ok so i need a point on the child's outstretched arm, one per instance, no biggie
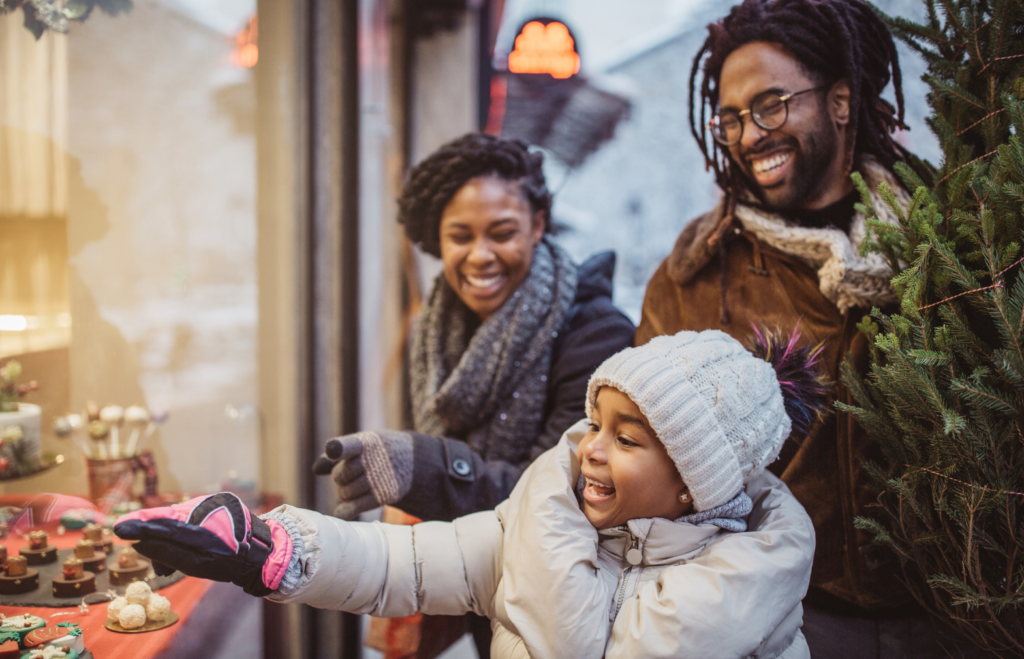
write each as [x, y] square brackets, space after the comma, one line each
[295, 555]
[554, 593]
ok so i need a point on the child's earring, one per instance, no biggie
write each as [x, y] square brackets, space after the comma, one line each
[684, 497]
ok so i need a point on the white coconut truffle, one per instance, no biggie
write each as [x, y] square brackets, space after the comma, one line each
[116, 606]
[157, 608]
[132, 616]
[138, 593]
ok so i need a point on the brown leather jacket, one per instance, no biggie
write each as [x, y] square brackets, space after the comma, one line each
[824, 469]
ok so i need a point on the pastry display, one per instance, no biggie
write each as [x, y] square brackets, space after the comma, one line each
[86, 552]
[39, 550]
[74, 580]
[20, 426]
[28, 637]
[51, 652]
[61, 635]
[139, 610]
[129, 568]
[132, 616]
[18, 578]
[157, 608]
[116, 604]
[107, 426]
[9, 648]
[100, 538]
[138, 593]
[20, 625]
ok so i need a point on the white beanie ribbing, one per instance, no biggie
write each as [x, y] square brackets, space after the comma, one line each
[717, 408]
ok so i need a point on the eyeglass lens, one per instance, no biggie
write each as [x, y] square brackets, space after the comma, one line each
[768, 111]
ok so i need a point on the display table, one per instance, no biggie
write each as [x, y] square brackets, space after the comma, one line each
[105, 644]
[101, 642]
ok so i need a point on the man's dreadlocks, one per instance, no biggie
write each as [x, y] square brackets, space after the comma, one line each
[833, 40]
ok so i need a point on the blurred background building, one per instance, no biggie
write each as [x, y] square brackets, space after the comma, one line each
[197, 209]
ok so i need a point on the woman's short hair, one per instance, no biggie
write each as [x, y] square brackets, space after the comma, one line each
[432, 183]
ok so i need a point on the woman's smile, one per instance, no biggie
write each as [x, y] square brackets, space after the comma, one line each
[483, 286]
[488, 233]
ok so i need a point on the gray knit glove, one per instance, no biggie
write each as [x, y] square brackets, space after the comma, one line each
[370, 468]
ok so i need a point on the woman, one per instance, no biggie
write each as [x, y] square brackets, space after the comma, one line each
[504, 347]
[502, 352]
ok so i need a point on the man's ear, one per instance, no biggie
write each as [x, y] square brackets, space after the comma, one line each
[839, 102]
[539, 224]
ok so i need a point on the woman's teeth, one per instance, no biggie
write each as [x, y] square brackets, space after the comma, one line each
[770, 164]
[482, 282]
[599, 489]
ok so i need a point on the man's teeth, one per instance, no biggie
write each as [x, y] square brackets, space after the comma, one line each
[769, 164]
[599, 488]
[482, 282]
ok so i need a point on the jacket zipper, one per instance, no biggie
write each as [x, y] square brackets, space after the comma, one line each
[624, 578]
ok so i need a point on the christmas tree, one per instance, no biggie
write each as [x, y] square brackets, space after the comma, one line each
[945, 395]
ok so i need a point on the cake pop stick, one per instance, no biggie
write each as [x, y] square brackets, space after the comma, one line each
[113, 416]
[137, 417]
[78, 426]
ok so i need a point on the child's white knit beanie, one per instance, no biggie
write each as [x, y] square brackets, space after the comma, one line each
[716, 407]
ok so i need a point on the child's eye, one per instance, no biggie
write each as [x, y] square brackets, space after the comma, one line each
[625, 442]
[594, 427]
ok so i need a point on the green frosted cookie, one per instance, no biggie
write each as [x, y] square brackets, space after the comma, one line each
[16, 625]
[49, 652]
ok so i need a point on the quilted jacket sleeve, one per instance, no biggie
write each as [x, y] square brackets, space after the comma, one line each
[739, 598]
[557, 600]
[439, 568]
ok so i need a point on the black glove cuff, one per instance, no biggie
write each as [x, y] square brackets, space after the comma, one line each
[256, 552]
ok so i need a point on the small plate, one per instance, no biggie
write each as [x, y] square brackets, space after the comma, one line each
[47, 461]
[150, 626]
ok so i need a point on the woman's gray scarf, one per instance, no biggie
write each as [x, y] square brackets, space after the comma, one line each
[489, 386]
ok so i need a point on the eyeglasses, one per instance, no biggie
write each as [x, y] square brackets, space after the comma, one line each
[768, 110]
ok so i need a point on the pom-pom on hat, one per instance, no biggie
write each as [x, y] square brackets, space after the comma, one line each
[717, 408]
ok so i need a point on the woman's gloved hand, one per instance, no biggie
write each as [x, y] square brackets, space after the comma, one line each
[212, 537]
[371, 469]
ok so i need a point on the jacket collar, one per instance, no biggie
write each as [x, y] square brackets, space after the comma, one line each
[701, 239]
[660, 541]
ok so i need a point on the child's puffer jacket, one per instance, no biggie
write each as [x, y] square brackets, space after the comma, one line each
[696, 592]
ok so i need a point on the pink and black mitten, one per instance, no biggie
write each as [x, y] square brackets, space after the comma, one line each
[212, 537]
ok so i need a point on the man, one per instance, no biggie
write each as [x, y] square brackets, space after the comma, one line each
[788, 107]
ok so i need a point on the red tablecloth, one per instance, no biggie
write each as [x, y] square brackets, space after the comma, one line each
[103, 643]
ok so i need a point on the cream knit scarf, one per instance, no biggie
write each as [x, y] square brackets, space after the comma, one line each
[844, 276]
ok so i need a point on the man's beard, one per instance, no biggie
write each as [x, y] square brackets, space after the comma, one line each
[810, 163]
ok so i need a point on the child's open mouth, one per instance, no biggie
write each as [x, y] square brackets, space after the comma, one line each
[596, 491]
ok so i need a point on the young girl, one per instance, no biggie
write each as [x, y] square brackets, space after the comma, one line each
[627, 539]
